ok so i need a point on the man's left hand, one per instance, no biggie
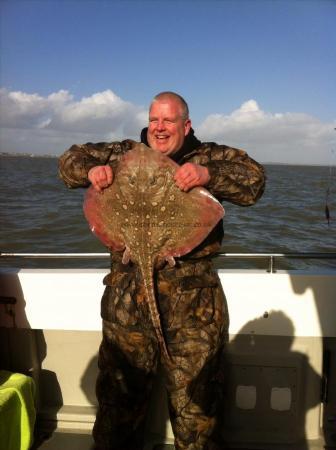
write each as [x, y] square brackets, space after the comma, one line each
[190, 175]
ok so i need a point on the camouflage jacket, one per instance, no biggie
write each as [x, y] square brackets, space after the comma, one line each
[234, 176]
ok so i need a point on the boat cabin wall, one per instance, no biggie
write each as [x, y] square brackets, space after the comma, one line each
[280, 356]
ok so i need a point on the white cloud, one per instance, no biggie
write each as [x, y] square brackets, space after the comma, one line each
[32, 123]
[103, 112]
[280, 137]
[36, 124]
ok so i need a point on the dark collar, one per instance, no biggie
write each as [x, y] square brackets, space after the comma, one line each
[190, 143]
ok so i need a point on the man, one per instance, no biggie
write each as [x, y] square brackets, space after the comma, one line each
[190, 299]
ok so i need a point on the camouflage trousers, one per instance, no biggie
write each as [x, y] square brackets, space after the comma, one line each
[194, 320]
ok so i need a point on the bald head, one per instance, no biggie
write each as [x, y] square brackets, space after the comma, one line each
[169, 95]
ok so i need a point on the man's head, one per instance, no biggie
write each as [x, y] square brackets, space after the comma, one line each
[169, 123]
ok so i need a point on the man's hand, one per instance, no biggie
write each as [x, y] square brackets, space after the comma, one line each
[190, 175]
[101, 177]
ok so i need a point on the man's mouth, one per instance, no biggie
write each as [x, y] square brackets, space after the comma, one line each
[161, 137]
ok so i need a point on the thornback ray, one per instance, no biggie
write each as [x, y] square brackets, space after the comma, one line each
[144, 214]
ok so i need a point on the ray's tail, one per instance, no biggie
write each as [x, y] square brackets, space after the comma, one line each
[147, 274]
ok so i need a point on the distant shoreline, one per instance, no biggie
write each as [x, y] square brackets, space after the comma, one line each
[29, 155]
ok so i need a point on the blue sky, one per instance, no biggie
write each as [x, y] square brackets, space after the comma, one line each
[257, 74]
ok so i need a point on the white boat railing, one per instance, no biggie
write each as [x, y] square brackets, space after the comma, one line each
[270, 257]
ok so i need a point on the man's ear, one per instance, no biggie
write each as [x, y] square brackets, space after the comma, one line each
[187, 126]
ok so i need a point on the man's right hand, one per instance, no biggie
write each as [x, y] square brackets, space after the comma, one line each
[100, 177]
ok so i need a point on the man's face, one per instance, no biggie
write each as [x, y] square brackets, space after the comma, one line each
[167, 129]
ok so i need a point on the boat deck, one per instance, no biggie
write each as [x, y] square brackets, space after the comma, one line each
[83, 441]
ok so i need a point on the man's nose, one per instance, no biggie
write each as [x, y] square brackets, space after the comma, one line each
[161, 125]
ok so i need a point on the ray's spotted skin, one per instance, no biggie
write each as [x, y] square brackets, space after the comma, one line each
[145, 214]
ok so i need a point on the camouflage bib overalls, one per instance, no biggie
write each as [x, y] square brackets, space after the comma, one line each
[192, 308]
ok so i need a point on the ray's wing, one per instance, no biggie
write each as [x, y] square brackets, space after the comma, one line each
[195, 215]
[103, 214]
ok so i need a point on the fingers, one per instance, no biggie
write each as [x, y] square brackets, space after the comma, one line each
[186, 177]
[101, 177]
[109, 174]
[190, 175]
